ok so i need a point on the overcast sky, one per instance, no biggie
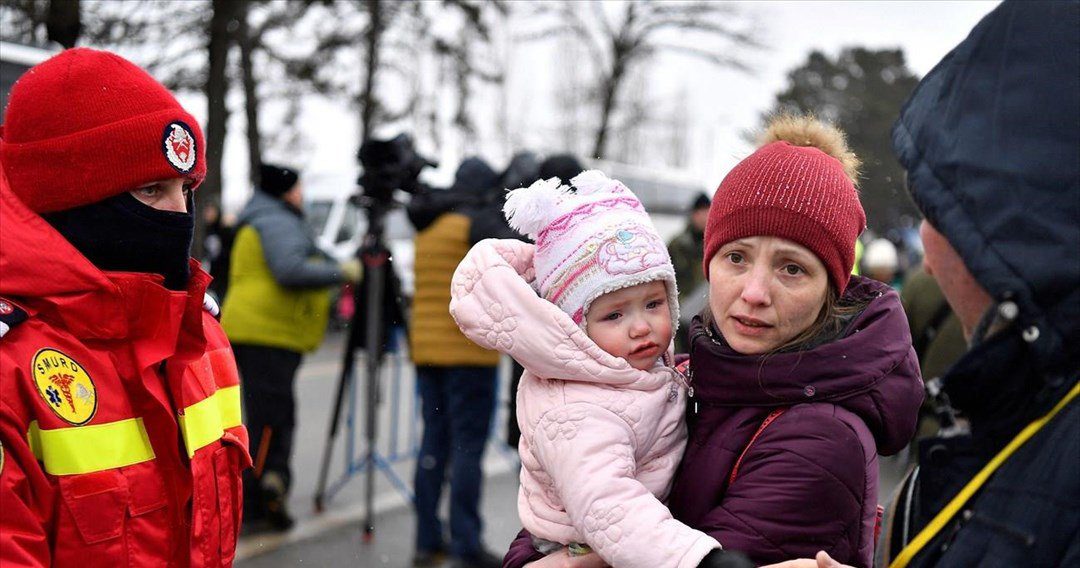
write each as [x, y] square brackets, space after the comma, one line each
[723, 104]
[926, 31]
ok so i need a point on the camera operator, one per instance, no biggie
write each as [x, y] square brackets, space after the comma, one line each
[456, 378]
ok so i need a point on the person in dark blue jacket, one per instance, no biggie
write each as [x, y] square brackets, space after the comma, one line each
[991, 143]
[990, 140]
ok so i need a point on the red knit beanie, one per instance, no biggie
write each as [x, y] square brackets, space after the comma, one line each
[86, 125]
[798, 186]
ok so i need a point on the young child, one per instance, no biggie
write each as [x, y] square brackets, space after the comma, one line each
[599, 406]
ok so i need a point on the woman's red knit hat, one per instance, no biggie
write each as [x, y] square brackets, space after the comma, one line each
[86, 125]
[798, 186]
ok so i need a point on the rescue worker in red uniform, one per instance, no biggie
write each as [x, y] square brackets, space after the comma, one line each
[119, 397]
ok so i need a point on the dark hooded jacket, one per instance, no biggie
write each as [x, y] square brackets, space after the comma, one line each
[991, 143]
[475, 185]
[808, 482]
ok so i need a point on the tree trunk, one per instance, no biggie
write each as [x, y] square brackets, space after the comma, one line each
[610, 90]
[217, 87]
[367, 95]
[63, 22]
[251, 96]
[622, 52]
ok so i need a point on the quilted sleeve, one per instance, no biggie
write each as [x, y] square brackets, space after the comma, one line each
[589, 453]
[483, 311]
[494, 304]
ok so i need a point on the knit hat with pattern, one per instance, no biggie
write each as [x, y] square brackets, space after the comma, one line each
[798, 186]
[591, 239]
[86, 125]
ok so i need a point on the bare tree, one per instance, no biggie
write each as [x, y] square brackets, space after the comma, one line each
[169, 40]
[623, 36]
[378, 12]
[246, 42]
[637, 114]
[465, 52]
[63, 22]
[353, 35]
[678, 132]
[572, 96]
[388, 40]
[223, 24]
[23, 21]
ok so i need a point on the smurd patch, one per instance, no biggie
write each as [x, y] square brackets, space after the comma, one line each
[65, 386]
[178, 144]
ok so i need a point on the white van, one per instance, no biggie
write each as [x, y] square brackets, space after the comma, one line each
[340, 225]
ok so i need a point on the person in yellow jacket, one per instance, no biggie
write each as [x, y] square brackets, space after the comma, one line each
[456, 378]
[276, 309]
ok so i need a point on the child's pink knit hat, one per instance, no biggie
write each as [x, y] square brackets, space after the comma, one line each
[589, 242]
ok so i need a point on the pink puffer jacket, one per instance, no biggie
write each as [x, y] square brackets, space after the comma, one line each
[600, 440]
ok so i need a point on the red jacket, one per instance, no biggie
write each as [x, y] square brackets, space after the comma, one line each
[119, 412]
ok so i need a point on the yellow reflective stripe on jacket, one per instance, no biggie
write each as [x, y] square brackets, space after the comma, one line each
[86, 449]
[945, 516]
[205, 421]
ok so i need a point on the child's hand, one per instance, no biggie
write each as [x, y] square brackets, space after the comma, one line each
[562, 559]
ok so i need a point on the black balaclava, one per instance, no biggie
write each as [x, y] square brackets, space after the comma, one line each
[124, 234]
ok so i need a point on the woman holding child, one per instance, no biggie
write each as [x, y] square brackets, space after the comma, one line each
[800, 375]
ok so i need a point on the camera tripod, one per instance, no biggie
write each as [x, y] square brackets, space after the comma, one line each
[370, 301]
[388, 165]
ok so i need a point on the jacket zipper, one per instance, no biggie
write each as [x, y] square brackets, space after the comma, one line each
[707, 332]
[690, 375]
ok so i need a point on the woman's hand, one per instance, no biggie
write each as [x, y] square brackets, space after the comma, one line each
[823, 560]
[562, 559]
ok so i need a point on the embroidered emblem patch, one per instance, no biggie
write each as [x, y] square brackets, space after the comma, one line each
[178, 143]
[65, 386]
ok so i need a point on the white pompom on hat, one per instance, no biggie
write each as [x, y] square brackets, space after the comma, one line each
[592, 238]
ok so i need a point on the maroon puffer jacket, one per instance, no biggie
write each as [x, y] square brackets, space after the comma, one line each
[809, 480]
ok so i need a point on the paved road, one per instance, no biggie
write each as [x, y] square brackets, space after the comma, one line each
[398, 435]
[334, 538]
[392, 544]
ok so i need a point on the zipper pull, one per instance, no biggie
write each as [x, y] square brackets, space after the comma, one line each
[690, 382]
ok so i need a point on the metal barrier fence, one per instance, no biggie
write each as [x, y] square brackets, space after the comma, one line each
[399, 419]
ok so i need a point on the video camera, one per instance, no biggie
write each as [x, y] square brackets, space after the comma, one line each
[389, 165]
